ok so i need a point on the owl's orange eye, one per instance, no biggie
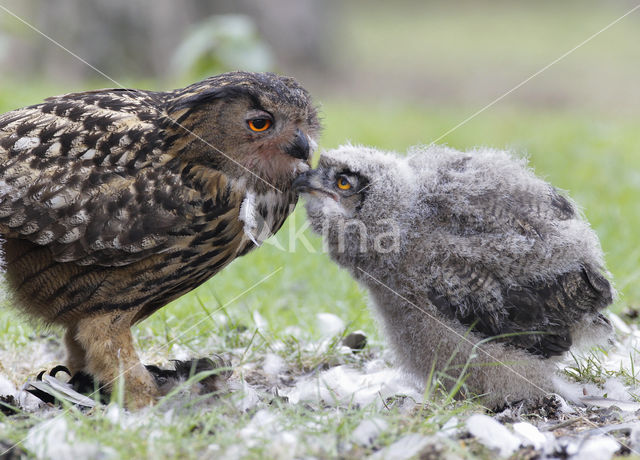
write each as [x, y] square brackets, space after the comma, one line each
[259, 124]
[343, 183]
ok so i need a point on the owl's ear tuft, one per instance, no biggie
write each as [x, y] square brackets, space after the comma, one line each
[197, 101]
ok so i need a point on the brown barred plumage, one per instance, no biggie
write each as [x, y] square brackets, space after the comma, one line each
[115, 202]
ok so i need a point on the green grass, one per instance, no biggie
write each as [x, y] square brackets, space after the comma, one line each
[288, 282]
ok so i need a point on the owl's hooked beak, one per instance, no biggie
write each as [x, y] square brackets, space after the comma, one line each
[300, 147]
[311, 182]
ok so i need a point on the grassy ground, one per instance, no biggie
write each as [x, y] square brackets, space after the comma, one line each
[265, 305]
[267, 302]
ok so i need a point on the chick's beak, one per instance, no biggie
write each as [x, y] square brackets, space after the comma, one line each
[304, 182]
[300, 147]
[311, 182]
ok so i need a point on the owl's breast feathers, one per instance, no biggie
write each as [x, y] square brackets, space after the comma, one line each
[95, 178]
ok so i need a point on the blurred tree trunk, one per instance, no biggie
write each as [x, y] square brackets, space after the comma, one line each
[136, 38]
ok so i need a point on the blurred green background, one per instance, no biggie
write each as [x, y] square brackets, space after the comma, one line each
[390, 74]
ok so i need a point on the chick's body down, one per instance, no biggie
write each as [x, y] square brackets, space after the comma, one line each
[488, 266]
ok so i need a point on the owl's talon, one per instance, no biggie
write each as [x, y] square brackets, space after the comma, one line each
[60, 368]
[52, 390]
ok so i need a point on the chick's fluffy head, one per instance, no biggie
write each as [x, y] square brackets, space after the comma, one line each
[347, 202]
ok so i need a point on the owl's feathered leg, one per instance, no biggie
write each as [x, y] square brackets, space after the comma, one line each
[76, 355]
[110, 353]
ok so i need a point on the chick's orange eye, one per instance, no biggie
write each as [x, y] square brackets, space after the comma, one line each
[259, 124]
[343, 183]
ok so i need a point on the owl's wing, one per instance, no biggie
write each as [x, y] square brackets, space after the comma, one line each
[554, 307]
[81, 174]
[537, 317]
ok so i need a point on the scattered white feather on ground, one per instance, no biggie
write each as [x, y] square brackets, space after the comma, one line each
[180, 352]
[368, 431]
[53, 439]
[598, 401]
[259, 428]
[265, 430]
[619, 324]
[597, 448]
[493, 434]
[17, 363]
[531, 436]
[7, 388]
[345, 385]
[246, 397]
[259, 320]
[329, 325]
[450, 429]
[51, 385]
[273, 365]
[624, 354]
[406, 447]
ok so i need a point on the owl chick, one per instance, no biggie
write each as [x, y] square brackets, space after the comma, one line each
[115, 202]
[477, 269]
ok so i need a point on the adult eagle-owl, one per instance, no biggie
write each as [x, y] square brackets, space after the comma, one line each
[115, 202]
